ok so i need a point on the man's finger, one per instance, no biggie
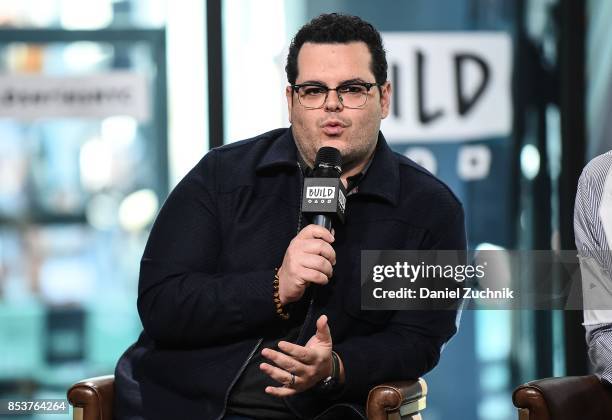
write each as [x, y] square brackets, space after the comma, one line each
[318, 263]
[284, 362]
[279, 375]
[300, 353]
[280, 391]
[316, 231]
[318, 247]
[313, 276]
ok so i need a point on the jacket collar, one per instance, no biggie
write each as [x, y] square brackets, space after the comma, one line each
[381, 179]
[281, 153]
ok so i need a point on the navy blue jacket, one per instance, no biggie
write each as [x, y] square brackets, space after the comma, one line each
[205, 290]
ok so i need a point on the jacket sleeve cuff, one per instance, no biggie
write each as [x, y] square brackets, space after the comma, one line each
[254, 301]
[356, 365]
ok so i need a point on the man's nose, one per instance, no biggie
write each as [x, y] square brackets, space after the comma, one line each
[333, 102]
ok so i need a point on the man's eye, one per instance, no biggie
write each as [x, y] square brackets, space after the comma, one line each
[313, 91]
[354, 89]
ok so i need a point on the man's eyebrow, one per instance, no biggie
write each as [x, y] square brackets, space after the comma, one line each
[349, 81]
[312, 82]
[344, 82]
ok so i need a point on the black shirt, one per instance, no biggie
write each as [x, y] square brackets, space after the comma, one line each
[248, 397]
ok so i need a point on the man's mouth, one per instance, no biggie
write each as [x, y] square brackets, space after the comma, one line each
[333, 128]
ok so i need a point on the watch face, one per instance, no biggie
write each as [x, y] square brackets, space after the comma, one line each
[329, 384]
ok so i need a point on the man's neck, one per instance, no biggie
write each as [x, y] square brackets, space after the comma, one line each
[347, 170]
[361, 167]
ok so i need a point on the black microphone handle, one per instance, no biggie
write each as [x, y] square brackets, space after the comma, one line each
[323, 220]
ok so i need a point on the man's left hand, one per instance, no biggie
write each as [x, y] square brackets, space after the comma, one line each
[300, 367]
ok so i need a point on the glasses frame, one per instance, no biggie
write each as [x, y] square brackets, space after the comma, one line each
[366, 85]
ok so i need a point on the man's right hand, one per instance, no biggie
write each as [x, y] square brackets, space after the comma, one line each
[309, 259]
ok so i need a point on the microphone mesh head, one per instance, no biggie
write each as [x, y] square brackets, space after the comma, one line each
[330, 156]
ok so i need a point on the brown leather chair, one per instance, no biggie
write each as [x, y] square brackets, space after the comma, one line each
[92, 399]
[565, 398]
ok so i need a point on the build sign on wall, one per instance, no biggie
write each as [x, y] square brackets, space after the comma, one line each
[449, 86]
[451, 112]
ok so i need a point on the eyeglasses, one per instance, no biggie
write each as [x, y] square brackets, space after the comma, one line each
[351, 95]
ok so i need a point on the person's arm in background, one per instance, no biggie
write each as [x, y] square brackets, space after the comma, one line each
[599, 340]
[594, 254]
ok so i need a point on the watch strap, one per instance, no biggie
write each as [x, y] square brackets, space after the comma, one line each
[332, 382]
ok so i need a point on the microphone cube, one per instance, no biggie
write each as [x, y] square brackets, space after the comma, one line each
[324, 196]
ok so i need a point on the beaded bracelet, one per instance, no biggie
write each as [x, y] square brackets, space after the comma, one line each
[277, 303]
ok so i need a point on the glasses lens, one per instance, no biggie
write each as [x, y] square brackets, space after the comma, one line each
[312, 96]
[353, 96]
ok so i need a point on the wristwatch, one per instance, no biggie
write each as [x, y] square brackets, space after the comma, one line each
[332, 382]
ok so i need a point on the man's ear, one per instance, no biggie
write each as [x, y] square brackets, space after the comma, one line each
[289, 95]
[385, 99]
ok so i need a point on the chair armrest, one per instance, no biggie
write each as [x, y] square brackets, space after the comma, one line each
[565, 398]
[398, 399]
[93, 398]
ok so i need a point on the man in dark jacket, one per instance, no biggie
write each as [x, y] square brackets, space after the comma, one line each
[248, 310]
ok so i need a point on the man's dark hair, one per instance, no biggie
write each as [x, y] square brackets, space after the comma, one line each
[336, 28]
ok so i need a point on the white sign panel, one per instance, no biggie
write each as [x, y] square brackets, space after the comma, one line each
[30, 97]
[320, 192]
[448, 86]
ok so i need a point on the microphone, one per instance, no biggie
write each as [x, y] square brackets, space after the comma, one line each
[324, 196]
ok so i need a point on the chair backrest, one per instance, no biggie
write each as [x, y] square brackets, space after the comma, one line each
[565, 398]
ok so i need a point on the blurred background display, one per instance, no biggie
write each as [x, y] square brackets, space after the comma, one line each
[83, 171]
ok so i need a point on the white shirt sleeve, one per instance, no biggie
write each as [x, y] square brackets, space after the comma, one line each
[593, 232]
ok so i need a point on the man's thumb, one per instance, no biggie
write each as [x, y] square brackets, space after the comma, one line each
[323, 332]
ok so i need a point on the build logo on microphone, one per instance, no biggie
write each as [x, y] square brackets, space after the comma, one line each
[324, 196]
[320, 193]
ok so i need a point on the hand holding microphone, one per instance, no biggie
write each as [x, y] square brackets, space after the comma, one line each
[310, 257]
